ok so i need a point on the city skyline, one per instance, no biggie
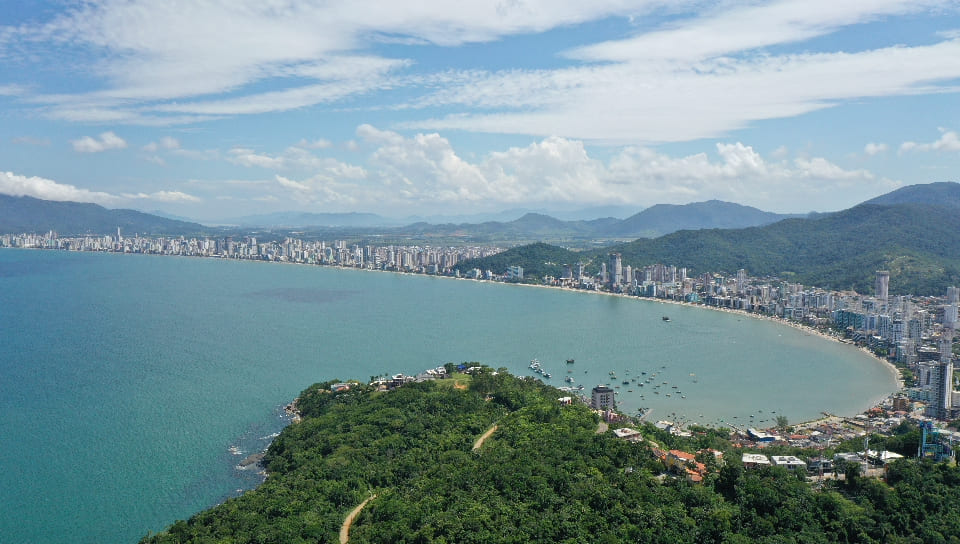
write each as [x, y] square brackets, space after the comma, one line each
[210, 111]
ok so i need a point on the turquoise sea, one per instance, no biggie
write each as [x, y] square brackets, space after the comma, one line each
[129, 383]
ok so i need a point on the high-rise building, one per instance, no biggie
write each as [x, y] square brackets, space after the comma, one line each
[616, 270]
[602, 398]
[882, 286]
[953, 295]
[942, 405]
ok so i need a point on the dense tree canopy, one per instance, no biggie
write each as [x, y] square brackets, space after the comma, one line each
[545, 475]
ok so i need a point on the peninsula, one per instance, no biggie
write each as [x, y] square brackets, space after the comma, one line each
[546, 475]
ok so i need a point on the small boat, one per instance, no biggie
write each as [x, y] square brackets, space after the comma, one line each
[569, 379]
[570, 361]
[626, 382]
[547, 375]
[665, 318]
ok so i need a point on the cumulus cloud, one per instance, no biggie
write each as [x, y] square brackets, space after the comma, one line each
[106, 141]
[875, 148]
[166, 142]
[47, 189]
[426, 171]
[948, 141]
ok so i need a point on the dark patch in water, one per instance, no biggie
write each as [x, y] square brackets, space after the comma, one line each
[306, 295]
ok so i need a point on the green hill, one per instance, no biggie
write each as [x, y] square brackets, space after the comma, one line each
[28, 214]
[545, 475]
[666, 218]
[917, 243]
[538, 260]
[944, 193]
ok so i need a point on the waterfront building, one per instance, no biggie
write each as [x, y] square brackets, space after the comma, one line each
[602, 398]
[616, 269]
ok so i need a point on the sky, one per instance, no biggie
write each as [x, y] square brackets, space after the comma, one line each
[219, 109]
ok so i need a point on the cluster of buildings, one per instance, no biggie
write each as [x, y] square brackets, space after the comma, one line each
[915, 332]
[398, 258]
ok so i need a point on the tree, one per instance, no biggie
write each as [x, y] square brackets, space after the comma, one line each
[782, 424]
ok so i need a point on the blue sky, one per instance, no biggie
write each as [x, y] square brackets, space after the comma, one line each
[213, 110]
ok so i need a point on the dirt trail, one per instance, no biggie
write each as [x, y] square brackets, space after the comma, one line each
[345, 528]
[483, 437]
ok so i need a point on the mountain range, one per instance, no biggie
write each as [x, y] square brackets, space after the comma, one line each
[913, 232]
[28, 214]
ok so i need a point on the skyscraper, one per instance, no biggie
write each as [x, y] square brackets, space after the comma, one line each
[882, 286]
[616, 270]
[942, 407]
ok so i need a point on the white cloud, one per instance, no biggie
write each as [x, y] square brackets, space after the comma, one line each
[668, 102]
[12, 90]
[106, 141]
[47, 189]
[875, 148]
[294, 158]
[703, 73]
[162, 196]
[425, 168]
[744, 28]
[166, 142]
[319, 143]
[948, 141]
[425, 173]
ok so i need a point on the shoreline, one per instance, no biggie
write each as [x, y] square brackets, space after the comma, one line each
[890, 367]
[894, 371]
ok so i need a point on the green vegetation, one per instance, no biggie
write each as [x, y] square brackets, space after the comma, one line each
[538, 260]
[544, 476]
[917, 243]
[27, 214]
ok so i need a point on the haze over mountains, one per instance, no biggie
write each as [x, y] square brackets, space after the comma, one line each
[26, 214]
[913, 232]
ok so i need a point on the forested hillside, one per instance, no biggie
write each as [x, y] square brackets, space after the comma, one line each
[545, 475]
[27, 214]
[918, 243]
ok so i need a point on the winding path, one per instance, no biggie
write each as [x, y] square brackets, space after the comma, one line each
[484, 436]
[345, 528]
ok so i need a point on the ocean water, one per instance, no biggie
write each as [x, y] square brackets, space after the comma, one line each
[131, 386]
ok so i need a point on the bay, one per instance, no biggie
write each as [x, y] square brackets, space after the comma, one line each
[125, 380]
